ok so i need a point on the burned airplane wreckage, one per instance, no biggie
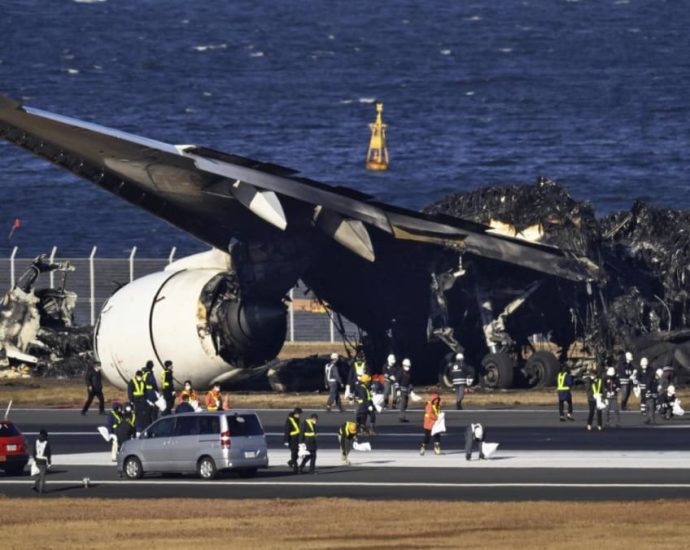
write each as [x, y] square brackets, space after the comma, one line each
[419, 284]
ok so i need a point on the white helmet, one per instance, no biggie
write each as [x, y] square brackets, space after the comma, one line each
[406, 363]
[671, 389]
[628, 357]
[478, 431]
[459, 356]
[659, 373]
[334, 356]
[391, 359]
[610, 371]
[644, 362]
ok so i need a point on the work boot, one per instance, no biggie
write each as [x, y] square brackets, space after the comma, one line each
[458, 405]
[482, 457]
[589, 427]
[403, 419]
[437, 448]
[571, 417]
[328, 408]
[562, 418]
[468, 457]
[600, 428]
[422, 450]
[344, 461]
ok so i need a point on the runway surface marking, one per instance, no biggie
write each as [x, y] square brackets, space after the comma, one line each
[424, 485]
[677, 460]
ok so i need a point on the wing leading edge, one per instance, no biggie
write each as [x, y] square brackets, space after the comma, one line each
[189, 186]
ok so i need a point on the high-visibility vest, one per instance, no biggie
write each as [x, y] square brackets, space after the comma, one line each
[360, 367]
[435, 408]
[118, 419]
[561, 382]
[349, 429]
[132, 420]
[139, 387]
[213, 400]
[295, 426]
[359, 399]
[167, 379]
[145, 378]
[596, 386]
[310, 431]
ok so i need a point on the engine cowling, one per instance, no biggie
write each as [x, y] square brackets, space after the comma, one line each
[196, 318]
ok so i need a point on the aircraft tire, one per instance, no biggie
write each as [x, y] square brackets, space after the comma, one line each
[499, 369]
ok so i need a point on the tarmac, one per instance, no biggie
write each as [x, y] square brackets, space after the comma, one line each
[539, 458]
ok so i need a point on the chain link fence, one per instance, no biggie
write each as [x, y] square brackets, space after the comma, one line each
[95, 279]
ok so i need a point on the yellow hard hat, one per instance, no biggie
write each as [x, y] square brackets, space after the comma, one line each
[365, 378]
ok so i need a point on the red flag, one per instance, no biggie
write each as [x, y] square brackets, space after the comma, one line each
[16, 225]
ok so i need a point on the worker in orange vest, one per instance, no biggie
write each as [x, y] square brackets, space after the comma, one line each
[214, 399]
[431, 413]
[192, 396]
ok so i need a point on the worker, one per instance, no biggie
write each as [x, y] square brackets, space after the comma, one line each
[214, 398]
[358, 368]
[151, 388]
[94, 386]
[291, 436]
[346, 434]
[42, 458]
[667, 402]
[391, 372]
[594, 386]
[136, 390]
[185, 406]
[405, 388]
[307, 437]
[333, 382]
[126, 429]
[114, 419]
[461, 376]
[365, 405]
[474, 433]
[432, 410]
[612, 387]
[564, 384]
[167, 385]
[626, 368]
[192, 396]
[651, 395]
[643, 375]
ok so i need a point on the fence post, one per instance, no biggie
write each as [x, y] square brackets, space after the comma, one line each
[14, 253]
[52, 273]
[171, 258]
[331, 328]
[291, 313]
[131, 263]
[92, 285]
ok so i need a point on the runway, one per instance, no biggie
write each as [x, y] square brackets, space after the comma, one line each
[538, 458]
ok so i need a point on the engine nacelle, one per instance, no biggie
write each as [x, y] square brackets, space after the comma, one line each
[197, 318]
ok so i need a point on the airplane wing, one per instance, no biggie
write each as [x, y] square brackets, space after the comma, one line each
[220, 197]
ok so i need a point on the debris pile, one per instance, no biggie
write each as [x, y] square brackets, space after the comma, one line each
[644, 255]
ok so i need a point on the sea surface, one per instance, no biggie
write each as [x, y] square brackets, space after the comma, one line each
[593, 93]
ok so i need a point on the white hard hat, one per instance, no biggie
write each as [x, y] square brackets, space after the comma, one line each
[459, 356]
[659, 372]
[407, 362]
[671, 389]
[334, 356]
[644, 362]
[628, 356]
[391, 359]
[610, 371]
[478, 431]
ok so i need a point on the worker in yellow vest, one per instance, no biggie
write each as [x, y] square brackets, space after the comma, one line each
[308, 439]
[291, 436]
[564, 384]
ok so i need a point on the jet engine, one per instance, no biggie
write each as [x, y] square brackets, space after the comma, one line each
[197, 318]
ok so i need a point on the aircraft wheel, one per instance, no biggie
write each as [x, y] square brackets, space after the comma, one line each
[498, 371]
[541, 369]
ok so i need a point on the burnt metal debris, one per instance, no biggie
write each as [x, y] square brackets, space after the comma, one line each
[641, 300]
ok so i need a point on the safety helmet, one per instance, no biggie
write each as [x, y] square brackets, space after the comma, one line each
[644, 362]
[459, 356]
[478, 431]
[406, 362]
[365, 379]
[610, 371]
[334, 356]
[628, 356]
[659, 373]
[671, 389]
[391, 359]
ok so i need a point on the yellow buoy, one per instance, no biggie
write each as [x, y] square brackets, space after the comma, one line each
[377, 156]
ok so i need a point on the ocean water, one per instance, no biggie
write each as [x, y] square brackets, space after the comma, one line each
[592, 93]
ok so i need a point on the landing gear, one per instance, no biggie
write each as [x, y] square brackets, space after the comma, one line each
[498, 371]
[541, 369]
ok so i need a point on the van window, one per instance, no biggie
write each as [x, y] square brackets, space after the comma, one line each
[162, 428]
[186, 425]
[209, 425]
[244, 424]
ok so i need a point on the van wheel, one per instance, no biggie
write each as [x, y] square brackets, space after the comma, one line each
[133, 468]
[498, 371]
[247, 472]
[206, 468]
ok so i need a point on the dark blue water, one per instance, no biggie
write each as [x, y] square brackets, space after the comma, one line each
[591, 93]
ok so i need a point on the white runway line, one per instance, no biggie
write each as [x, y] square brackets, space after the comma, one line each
[677, 460]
